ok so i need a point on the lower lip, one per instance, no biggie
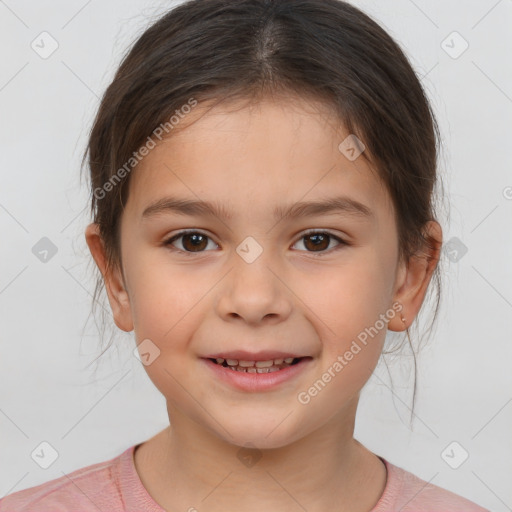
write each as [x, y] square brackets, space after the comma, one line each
[254, 382]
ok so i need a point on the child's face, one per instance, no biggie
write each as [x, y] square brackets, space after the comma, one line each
[304, 297]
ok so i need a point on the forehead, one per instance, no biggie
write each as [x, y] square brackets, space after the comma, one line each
[258, 154]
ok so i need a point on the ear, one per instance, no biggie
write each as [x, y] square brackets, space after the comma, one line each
[413, 278]
[114, 282]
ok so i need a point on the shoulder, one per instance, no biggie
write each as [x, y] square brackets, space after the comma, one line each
[406, 492]
[95, 487]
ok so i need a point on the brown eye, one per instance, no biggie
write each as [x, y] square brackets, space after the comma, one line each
[320, 241]
[194, 242]
[191, 241]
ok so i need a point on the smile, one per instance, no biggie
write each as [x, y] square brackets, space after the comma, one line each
[269, 366]
[251, 375]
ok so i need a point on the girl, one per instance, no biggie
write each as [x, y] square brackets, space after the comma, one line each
[263, 179]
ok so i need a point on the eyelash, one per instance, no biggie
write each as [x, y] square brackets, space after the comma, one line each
[168, 242]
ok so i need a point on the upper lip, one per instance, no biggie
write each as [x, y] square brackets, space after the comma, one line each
[242, 355]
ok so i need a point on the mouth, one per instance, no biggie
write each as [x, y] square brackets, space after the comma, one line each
[255, 372]
[248, 366]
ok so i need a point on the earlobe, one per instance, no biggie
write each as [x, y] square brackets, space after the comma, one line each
[114, 284]
[413, 279]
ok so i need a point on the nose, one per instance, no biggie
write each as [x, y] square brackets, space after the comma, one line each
[254, 293]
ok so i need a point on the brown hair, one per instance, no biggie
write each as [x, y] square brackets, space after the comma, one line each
[220, 50]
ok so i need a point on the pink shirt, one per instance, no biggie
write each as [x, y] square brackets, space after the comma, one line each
[115, 486]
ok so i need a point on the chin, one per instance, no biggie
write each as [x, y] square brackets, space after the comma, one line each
[261, 431]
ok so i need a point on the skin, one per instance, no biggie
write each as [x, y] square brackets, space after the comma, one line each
[252, 158]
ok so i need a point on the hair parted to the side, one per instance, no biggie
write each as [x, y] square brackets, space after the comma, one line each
[221, 50]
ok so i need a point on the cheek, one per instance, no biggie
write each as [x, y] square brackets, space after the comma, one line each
[163, 296]
[349, 307]
[349, 297]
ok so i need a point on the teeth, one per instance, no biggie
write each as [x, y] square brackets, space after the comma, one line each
[272, 365]
[264, 364]
[258, 364]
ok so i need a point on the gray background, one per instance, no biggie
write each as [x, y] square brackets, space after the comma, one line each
[47, 392]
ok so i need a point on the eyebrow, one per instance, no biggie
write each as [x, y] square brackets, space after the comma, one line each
[335, 205]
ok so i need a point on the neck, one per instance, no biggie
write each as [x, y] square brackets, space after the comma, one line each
[187, 467]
